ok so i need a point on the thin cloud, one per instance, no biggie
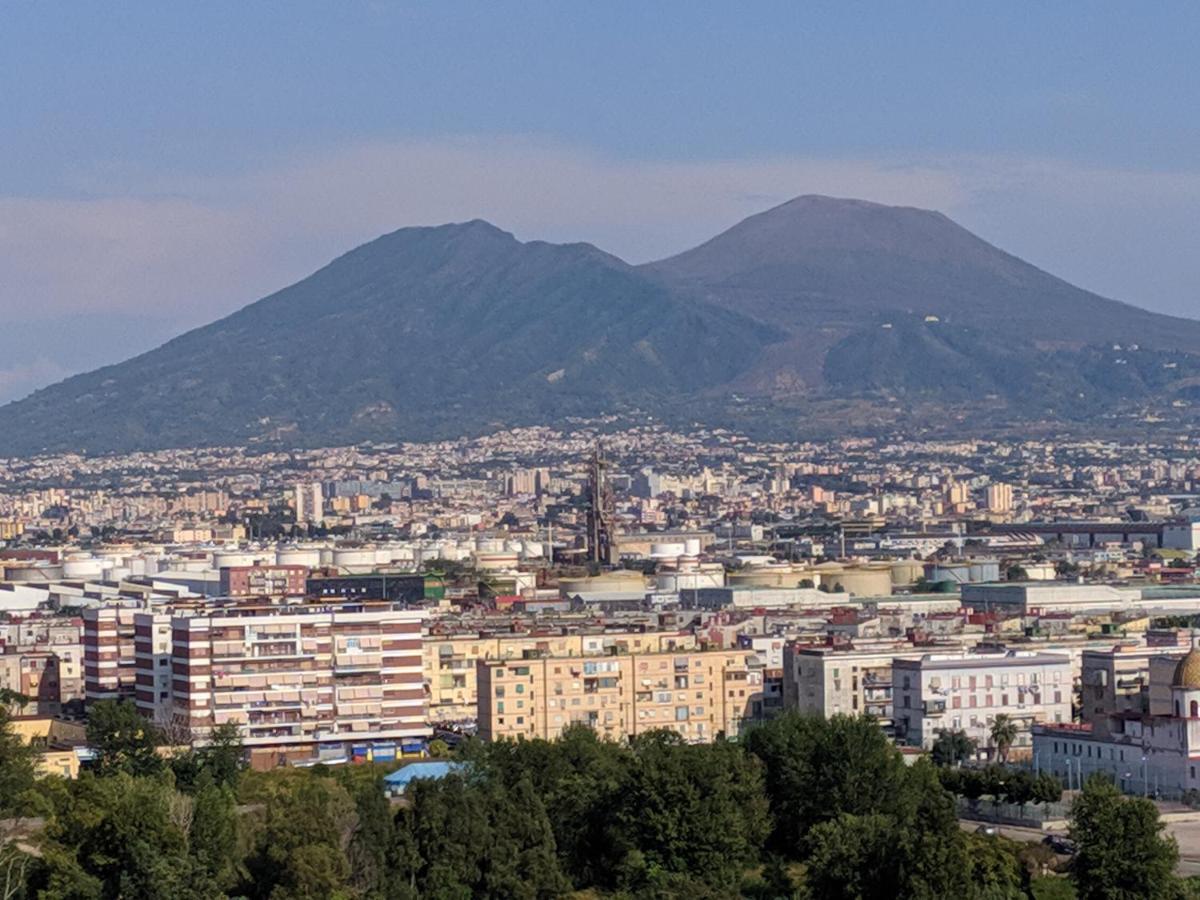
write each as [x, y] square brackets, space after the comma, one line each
[194, 248]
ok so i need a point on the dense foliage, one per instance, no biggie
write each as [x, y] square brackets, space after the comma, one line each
[802, 807]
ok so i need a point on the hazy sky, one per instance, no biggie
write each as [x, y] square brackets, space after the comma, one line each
[164, 163]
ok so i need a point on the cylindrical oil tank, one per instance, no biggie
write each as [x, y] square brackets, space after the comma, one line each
[358, 559]
[225, 559]
[984, 570]
[764, 576]
[298, 556]
[617, 580]
[666, 550]
[493, 561]
[84, 567]
[907, 571]
[864, 581]
[35, 572]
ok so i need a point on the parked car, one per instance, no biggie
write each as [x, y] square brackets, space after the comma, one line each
[989, 830]
[1059, 844]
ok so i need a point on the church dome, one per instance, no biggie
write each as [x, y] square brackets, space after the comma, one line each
[1187, 673]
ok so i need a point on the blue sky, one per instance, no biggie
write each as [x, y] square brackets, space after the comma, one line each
[165, 163]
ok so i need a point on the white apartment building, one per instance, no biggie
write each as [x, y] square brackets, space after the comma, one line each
[967, 691]
[309, 502]
[828, 681]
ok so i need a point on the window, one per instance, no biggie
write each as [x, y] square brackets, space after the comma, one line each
[681, 714]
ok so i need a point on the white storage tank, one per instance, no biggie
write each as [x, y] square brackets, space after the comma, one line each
[225, 559]
[358, 560]
[84, 567]
[665, 550]
[691, 547]
[298, 556]
[493, 561]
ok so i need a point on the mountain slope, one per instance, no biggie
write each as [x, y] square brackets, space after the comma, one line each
[822, 268]
[817, 307]
[422, 332]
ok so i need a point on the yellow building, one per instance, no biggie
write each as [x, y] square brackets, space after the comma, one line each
[449, 661]
[698, 694]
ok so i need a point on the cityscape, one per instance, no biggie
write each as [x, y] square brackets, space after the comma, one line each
[795, 495]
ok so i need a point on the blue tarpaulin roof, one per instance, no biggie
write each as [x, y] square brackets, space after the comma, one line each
[436, 769]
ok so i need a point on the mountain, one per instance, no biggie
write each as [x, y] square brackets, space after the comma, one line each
[833, 274]
[423, 332]
[435, 332]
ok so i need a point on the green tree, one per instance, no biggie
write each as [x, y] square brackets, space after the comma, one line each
[996, 872]
[1020, 787]
[695, 810]
[127, 836]
[213, 834]
[854, 858]
[1047, 788]
[1122, 852]
[1003, 734]
[581, 780]
[373, 844]
[123, 739]
[300, 851]
[817, 769]
[952, 748]
[18, 767]
[218, 762]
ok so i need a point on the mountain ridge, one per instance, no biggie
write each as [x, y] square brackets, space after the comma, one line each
[431, 331]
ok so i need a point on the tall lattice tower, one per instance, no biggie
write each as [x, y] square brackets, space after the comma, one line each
[600, 512]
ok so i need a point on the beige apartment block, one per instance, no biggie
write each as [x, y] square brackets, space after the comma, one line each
[449, 661]
[698, 694]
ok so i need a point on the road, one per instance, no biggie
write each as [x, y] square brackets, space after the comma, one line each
[1187, 834]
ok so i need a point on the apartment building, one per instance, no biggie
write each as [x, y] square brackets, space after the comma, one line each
[450, 671]
[967, 691]
[1117, 680]
[828, 681]
[302, 683]
[152, 647]
[263, 581]
[109, 663]
[698, 694]
[41, 658]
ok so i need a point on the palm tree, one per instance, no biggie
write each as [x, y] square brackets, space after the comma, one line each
[952, 748]
[1004, 732]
